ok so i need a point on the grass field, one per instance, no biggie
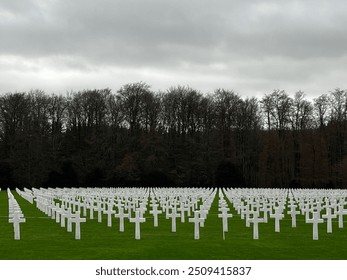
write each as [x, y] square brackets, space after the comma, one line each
[43, 238]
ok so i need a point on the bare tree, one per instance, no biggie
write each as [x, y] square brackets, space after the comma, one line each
[131, 97]
[227, 104]
[338, 105]
[282, 107]
[150, 111]
[321, 109]
[114, 111]
[302, 112]
[267, 106]
[14, 115]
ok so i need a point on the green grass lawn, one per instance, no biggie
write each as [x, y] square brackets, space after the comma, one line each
[43, 238]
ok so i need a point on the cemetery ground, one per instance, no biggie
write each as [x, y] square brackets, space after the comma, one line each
[43, 238]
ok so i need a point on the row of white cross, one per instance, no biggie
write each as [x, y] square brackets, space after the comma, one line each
[273, 202]
[176, 206]
[64, 216]
[255, 206]
[26, 194]
[15, 214]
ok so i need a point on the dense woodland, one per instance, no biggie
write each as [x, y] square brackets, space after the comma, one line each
[180, 137]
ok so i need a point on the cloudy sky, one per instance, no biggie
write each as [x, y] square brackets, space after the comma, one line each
[251, 47]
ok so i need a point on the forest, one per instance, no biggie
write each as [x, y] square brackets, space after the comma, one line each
[177, 137]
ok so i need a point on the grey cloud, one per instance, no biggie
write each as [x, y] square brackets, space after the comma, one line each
[244, 36]
[110, 31]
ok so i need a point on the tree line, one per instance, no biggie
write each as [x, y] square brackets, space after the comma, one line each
[177, 137]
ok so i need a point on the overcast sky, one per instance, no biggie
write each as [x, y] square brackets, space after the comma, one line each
[251, 47]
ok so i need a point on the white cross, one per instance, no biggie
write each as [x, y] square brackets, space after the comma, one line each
[53, 209]
[241, 210]
[224, 215]
[77, 220]
[189, 206]
[57, 213]
[334, 205]
[315, 221]
[99, 209]
[164, 205]
[77, 206]
[277, 216]
[62, 216]
[173, 215]
[265, 209]
[130, 207]
[69, 215]
[152, 202]
[109, 213]
[84, 205]
[203, 212]
[306, 210]
[329, 216]
[196, 220]
[256, 220]
[16, 219]
[137, 220]
[246, 212]
[155, 213]
[327, 203]
[143, 207]
[141, 211]
[121, 215]
[119, 204]
[341, 212]
[91, 210]
[182, 209]
[293, 214]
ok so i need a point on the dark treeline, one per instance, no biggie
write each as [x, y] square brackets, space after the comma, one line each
[180, 137]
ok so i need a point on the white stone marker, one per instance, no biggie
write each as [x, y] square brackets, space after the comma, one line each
[69, 216]
[277, 216]
[341, 212]
[109, 213]
[242, 210]
[329, 216]
[224, 215]
[306, 210]
[315, 221]
[16, 219]
[247, 212]
[203, 212]
[137, 220]
[334, 205]
[256, 220]
[62, 217]
[189, 208]
[141, 211]
[77, 220]
[119, 204]
[121, 215]
[265, 209]
[84, 207]
[182, 209]
[91, 210]
[53, 209]
[293, 214]
[130, 207]
[57, 213]
[173, 215]
[196, 220]
[143, 208]
[99, 209]
[155, 213]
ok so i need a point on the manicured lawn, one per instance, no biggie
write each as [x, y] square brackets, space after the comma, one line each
[43, 238]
